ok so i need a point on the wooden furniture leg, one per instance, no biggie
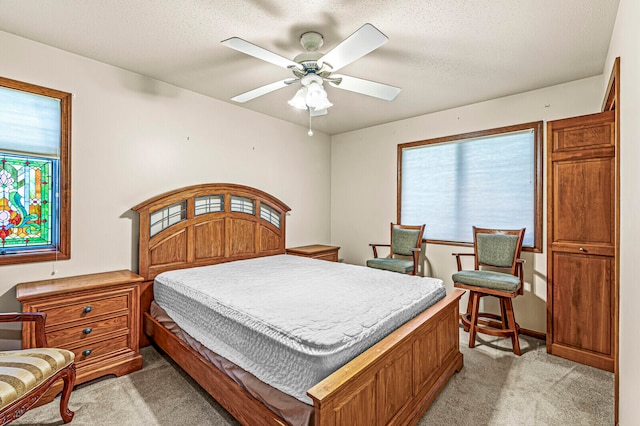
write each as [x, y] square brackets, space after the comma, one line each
[503, 314]
[475, 300]
[465, 326]
[513, 326]
[68, 379]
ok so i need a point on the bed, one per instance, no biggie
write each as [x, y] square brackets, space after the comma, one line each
[392, 382]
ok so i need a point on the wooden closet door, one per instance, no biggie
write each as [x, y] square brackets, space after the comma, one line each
[581, 239]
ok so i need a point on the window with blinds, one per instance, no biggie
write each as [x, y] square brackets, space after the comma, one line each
[209, 204]
[488, 179]
[270, 214]
[34, 173]
[242, 204]
[166, 217]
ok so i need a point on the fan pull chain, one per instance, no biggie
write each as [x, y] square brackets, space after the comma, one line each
[310, 132]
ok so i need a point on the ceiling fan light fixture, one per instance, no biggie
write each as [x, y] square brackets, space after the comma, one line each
[322, 105]
[317, 97]
[314, 112]
[299, 99]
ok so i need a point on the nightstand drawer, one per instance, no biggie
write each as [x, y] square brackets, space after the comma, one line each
[331, 257]
[91, 330]
[88, 352]
[90, 308]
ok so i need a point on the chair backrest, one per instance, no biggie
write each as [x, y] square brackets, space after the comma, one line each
[405, 237]
[499, 248]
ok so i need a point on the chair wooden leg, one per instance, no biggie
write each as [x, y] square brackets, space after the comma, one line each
[511, 321]
[503, 314]
[465, 327]
[475, 301]
[69, 380]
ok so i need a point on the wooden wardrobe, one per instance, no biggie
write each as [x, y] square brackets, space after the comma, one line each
[582, 198]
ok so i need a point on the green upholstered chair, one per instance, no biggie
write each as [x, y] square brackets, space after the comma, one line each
[498, 272]
[25, 375]
[404, 250]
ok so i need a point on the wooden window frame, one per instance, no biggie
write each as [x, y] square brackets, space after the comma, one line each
[537, 126]
[62, 250]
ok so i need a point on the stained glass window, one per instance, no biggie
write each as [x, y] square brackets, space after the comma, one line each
[35, 173]
[26, 201]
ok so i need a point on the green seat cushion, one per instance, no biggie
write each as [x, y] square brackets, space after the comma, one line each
[487, 279]
[395, 265]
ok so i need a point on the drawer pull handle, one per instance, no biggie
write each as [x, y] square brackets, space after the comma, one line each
[582, 249]
[87, 330]
[87, 309]
[87, 352]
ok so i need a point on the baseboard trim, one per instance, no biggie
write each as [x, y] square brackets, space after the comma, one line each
[533, 333]
[524, 331]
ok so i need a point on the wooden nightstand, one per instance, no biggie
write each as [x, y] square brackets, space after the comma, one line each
[316, 251]
[95, 316]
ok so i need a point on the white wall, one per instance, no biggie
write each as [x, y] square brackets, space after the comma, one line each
[625, 43]
[364, 170]
[134, 138]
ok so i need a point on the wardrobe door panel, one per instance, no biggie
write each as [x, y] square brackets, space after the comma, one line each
[583, 199]
[582, 308]
[581, 239]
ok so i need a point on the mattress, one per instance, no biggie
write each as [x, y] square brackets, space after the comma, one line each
[291, 321]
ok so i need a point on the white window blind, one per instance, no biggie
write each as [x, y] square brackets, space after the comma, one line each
[488, 182]
[270, 214]
[29, 123]
[209, 204]
[166, 217]
[242, 204]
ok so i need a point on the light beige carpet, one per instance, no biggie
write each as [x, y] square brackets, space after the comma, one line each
[494, 388]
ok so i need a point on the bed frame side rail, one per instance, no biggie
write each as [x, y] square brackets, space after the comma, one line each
[237, 401]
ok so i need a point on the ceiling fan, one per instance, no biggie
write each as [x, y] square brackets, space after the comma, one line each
[312, 68]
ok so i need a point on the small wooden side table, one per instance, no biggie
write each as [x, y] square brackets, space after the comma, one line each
[95, 316]
[316, 251]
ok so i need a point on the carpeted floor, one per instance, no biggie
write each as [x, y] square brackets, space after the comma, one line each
[494, 388]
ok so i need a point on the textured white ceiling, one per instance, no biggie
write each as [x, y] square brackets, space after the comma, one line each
[442, 53]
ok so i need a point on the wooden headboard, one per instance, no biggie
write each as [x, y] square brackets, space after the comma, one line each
[206, 224]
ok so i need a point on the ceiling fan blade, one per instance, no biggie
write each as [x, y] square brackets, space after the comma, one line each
[252, 94]
[366, 39]
[366, 87]
[258, 52]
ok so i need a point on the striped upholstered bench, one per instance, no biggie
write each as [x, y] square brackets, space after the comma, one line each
[25, 375]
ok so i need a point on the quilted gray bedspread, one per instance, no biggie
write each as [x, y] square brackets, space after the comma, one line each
[291, 321]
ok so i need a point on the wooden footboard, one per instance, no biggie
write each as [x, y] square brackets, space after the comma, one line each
[392, 383]
[396, 380]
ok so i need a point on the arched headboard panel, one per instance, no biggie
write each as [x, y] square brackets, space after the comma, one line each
[206, 224]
